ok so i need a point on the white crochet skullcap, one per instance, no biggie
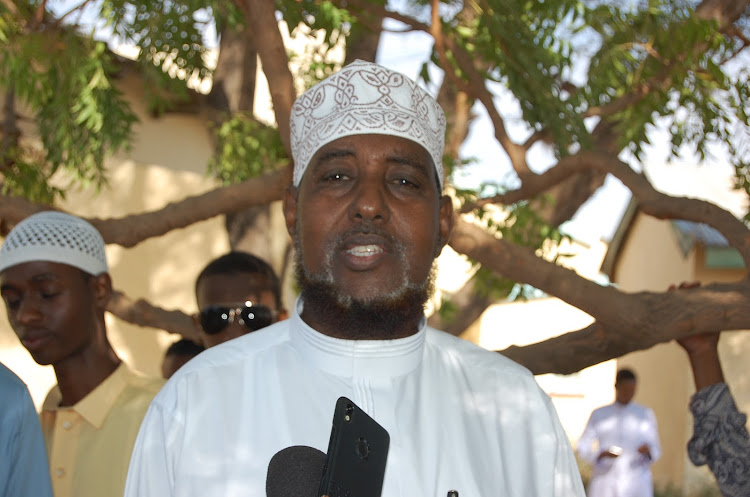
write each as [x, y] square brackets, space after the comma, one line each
[365, 98]
[55, 237]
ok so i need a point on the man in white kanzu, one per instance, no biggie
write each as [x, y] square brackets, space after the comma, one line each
[368, 218]
[621, 440]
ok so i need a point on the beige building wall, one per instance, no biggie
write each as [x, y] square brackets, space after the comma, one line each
[650, 260]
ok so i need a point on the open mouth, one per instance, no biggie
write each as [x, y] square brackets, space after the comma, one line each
[365, 250]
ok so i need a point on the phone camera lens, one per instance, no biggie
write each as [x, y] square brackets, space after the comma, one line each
[362, 446]
[348, 413]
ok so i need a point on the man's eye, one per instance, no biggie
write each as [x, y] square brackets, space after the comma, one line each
[335, 177]
[49, 293]
[406, 182]
[12, 303]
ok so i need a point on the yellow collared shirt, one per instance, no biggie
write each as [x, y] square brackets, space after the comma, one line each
[89, 444]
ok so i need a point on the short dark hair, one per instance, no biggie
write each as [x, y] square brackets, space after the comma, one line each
[184, 347]
[242, 262]
[624, 374]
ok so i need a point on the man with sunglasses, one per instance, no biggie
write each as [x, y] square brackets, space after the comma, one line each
[368, 219]
[237, 293]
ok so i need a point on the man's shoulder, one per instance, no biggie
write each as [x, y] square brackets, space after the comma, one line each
[133, 393]
[641, 409]
[14, 394]
[10, 384]
[457, 349]
[602, 410]
[147, 384]
[236, 352]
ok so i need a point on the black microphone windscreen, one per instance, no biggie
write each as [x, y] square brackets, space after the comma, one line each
[295, 472]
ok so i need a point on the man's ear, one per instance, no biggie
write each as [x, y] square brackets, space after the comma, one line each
[101, 287]
[282, 315]
[290, 208]
[447, 220]
[199, 333]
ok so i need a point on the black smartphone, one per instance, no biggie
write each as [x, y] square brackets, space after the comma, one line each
[357, 453]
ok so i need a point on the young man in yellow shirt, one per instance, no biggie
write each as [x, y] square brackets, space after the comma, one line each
[55, 284]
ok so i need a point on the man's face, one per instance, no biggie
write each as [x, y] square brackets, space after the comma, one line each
[232, 290]
[368, 217]
[624, 391]
[53, 309]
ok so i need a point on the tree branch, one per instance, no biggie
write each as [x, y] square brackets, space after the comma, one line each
[142, 313]
[130, 230]
[262, 22]
[70, 12]
[625, 322]
[724, 12]
[10, 130]
[652, 202]
[652, 318]
[11, 6]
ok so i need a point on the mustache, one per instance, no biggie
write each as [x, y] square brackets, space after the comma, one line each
[366, 229]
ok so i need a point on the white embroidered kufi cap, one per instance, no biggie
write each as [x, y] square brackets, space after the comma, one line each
[55, 237]
[365, 98]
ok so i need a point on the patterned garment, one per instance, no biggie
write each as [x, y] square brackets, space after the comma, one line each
[720, 439]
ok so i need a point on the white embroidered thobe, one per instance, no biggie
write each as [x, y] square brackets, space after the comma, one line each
[459, 417]
[627, 427]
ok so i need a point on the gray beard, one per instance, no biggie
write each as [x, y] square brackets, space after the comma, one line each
[380, 317]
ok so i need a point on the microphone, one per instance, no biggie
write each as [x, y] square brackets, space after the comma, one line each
[295, 472]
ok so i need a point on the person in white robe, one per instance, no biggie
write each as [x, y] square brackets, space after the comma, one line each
[368, 218]
[621, 441]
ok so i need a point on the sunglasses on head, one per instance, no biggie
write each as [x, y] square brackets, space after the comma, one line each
[215, 318]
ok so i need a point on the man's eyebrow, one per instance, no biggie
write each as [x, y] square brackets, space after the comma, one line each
[36, 279]
[335, 153]
[412, 161]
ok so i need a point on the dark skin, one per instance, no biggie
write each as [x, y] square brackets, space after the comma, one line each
[370, 220]
[702, 351]
[231, 290]
[57, 311]
[172, 363]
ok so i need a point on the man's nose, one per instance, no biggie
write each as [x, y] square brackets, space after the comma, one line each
[370, 202]
[28, 311]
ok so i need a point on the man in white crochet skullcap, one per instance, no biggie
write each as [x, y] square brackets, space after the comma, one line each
[368, 219]
[55, 285]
